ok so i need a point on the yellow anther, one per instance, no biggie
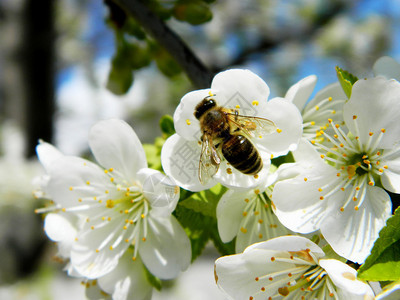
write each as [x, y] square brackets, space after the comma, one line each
[242, 229]
[112, 179]
[322, 156]
[143, 239]
[383, 130]
[134, 258]
[305, 179]
[111, 169]
[255, 103]
[260, 221]
[142, 216]
[330, 120]
[278, 130]
[385, 166]
[330, 99]
[110, 203]
[63, 209]
[342, 209]
[354, 198]
[321, 198]
[111, 248]
[188, 122]
[244, 213]
[354, 117]
[126, 211]
[319, 190]
[246, 200]
[237, 106]
[256, 191]
[370, 183]
[71, 188]
[313, 142]
[97, 250]
[316, 107]
[229, 170]
[312, 123]
[333, 112]
[371, 134]
[125, 227]
[92, 227]
[106, 191]
[356, 208]
[106, 171]
[337, 125]
[88, 182]
[255, 176]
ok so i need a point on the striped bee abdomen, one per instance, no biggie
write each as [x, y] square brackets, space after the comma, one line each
[242, 154]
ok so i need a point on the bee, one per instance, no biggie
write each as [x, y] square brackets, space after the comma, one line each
[225, 131]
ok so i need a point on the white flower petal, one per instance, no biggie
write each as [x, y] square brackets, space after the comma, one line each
[298, 200]
[160, 190]
[127, 280]
[241, 87]
[352, 233]
[235, 274]
[374, 99]
[180, 160]
[390, 292]
[230, 213]
[167, 249]
[115, 145]
[73, 178]
[345, 278]
[288, 120]
[93, 291]
[288, 243]
[186, 124]
[390, 177]
[301, 91]
[47, 154]
[59, 228]
[230, 177]
[388, 67]
[333, 90]
[97, 249]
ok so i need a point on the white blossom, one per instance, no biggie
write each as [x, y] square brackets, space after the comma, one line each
[247, 94]
[119, 208]
[336, 185]
[288, 267]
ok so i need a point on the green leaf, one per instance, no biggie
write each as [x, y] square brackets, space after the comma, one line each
[384, 262]
[120, 77]
[197, 214]
[205, 202]
[167, 125]
[346, 80]
[153, 155]
[194, 12]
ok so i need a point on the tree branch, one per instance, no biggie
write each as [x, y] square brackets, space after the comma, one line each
[271, 42]
[198, 74]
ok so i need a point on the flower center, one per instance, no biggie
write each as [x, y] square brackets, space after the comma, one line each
[358, 164]
[299, 276]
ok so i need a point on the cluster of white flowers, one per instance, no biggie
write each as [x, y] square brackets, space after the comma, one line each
[114, 223]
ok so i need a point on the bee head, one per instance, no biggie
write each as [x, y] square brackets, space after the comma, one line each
[206, 104]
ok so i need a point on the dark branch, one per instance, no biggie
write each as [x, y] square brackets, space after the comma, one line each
[198, 74]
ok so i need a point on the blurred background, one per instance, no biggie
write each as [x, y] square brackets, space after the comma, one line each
[66, 64]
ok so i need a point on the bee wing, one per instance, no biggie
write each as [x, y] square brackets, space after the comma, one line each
[209, 160]
[253, 126]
